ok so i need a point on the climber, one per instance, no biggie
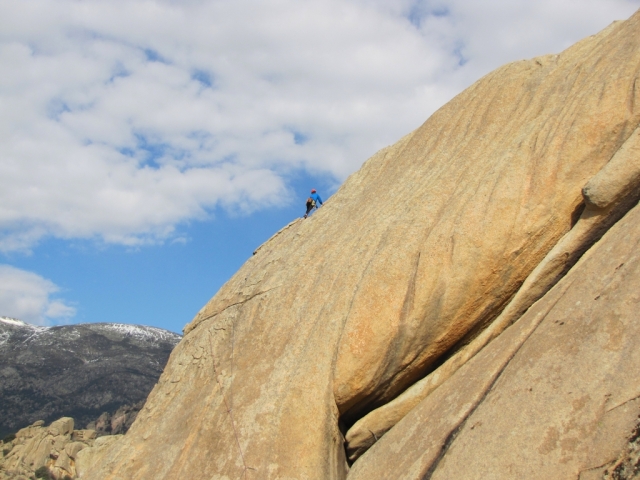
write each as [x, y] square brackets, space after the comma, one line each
[312, 202]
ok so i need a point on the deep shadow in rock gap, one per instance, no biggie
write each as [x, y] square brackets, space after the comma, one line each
[367, 405]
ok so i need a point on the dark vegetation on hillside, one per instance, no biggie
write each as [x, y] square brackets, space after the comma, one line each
[79, 371]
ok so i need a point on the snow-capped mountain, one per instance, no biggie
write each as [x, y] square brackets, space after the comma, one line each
[76, 370]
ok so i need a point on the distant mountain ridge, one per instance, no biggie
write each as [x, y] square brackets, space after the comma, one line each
[78, 370]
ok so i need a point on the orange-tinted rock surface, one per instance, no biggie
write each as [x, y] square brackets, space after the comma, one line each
[557, 395]
[413, 256]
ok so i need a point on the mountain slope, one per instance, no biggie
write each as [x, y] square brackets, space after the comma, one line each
[78, 371]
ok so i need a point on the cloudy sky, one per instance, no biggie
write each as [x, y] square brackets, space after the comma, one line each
[148, 146]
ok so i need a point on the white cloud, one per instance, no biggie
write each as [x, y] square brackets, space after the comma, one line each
[491, 33]
[120, 119]
[30, 298]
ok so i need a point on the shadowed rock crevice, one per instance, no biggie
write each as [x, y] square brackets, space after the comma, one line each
[534, 408]
[608, 196]
[627, 466]
[622, 193]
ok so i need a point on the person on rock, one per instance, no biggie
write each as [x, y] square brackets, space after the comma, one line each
[312, 202]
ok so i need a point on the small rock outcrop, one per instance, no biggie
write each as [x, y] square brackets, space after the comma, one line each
[49, 452]
[116, 423]
[78, 371]
[463, 307]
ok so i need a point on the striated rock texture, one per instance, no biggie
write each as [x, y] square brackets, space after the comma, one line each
[79, 371]
[556, 396]
[618, 188]
[406, 268]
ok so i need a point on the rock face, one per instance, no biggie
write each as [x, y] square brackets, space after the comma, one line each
[553, 397]
[412, 271]
[79, 371]
[618, 190]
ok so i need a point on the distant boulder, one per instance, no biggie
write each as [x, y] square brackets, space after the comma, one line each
[116, 423]
[49, 453]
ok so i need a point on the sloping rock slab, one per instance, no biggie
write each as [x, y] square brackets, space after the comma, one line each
[555, 396]
[418, 251]
[616, 189]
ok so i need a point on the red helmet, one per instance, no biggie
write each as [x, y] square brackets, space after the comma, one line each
[313, 190]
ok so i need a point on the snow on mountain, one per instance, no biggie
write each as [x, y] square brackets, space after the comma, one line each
[14, 322]
[78, 370]
[11, 325]
[140, 331]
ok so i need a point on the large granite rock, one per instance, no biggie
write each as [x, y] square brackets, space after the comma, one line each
[617, 187]
[405, 267]
[557, 395]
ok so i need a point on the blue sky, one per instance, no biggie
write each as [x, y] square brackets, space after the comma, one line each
[162, 285]
[148, 146]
